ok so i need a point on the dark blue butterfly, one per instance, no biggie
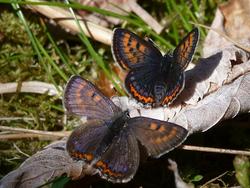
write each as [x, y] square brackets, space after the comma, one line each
[109, 140]
[153, 78]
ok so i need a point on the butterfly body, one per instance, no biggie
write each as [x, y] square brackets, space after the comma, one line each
[118, 122]
[153, 79]
[108, 142]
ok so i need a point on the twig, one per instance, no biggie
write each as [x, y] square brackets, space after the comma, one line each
[29, 87]
[19, 136]
[212, 180]
[215, 150]
[19, 118]
[18, 149]
[65, 19]
[49, 133]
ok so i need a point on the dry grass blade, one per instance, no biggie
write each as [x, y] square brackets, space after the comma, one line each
[215, 150]
[29, 87]
[22, 136]
[214, 179]
[48, 133]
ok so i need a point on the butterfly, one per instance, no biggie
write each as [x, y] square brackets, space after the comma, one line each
[153, 79]
[108, 142]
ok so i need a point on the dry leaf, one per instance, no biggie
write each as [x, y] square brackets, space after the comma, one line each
[236, 19]
[105, 85]
[214, 41]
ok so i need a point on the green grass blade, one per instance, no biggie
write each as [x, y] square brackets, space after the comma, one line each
[62, 56]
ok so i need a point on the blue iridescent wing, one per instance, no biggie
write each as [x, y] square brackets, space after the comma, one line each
[184, 52]
[158, 137]
[84, 99]
[130, 51]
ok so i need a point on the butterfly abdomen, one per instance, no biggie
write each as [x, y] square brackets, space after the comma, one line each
[159, 92]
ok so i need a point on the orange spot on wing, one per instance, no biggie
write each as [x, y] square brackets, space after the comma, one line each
[130, 43]
[190, 39]
[79, 89]
[104, 169]
[131, 58]
[133, 43]
[97, 98]
[173, 95]
[138, 96]
[142, 48]
[173, 132]
[78, 93]
[90, 93]
[166, 137]
[162, 128]
[87, 156]
[126, 39]
[186, 47]
[158, 140]
[170, 135]
[101, 164]
[153, 126]
[120, 58]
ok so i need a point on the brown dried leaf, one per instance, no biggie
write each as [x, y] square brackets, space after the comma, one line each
[214, 41]
[105, 85]
[236, 18]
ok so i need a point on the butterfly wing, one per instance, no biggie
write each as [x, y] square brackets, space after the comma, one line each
[158, 137]
[84, 99]
[120, 162]
[174, 87]
[184, 52]
[88, 142]
[140, 83]
[129, 50]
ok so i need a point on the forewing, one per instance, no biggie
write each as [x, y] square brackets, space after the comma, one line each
[86, 141]
[158, 137]
[120, 162]
[84, 99]
[129, 50]
[184, 52]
